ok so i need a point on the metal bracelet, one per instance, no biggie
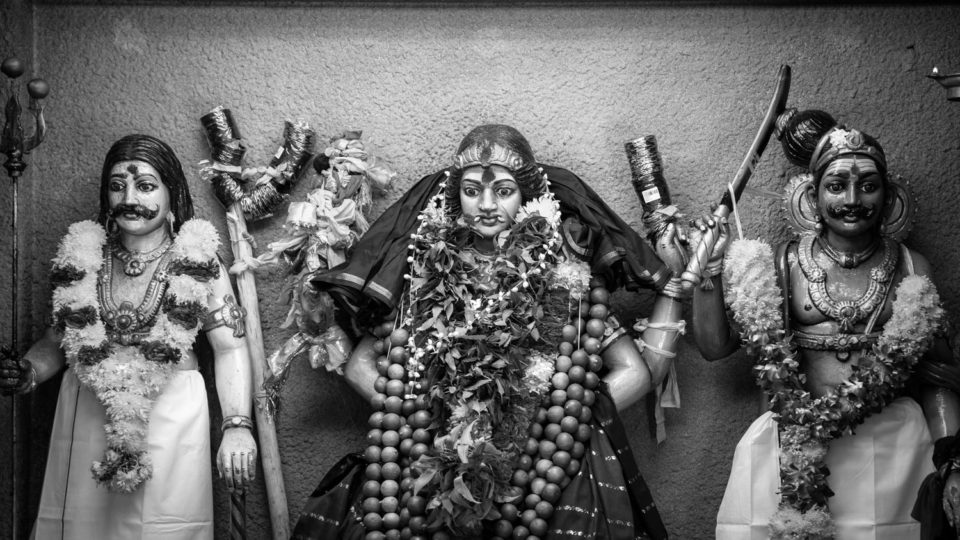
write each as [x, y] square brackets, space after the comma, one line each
[674, 289]
[32, 385]
[236, 421]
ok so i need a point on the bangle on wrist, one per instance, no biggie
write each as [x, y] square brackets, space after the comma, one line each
[608, 340]
[713, 268]
[236, 421]
[674, 289]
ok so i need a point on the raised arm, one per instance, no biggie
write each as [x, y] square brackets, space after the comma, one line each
[712, 333]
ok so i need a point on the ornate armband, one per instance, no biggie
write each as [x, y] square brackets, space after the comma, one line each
[680, 327]
[229, 314]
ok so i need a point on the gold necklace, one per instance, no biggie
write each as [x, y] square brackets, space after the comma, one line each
[135, 262]
[847, 313]
[126, 324]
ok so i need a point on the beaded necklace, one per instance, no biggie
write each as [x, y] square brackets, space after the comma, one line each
[125, 323]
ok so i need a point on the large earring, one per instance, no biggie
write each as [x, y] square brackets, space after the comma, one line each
[170, 221]
[818, 223]
[111, 225]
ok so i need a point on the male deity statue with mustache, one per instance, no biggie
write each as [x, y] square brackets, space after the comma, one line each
[854, 412]
[132, 292]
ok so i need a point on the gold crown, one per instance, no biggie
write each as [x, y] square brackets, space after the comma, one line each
[487, 154]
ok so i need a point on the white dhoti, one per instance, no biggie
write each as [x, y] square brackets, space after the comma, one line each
[176, 503]
[875, 475]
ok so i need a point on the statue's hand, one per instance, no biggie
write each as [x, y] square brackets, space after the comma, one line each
[699, 227]
[237, 459]
[16, 375]
[670, 246]
[951, 499]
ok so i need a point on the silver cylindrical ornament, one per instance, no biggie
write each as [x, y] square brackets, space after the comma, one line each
[647, 178]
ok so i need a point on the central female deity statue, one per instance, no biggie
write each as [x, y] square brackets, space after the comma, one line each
[495, 367]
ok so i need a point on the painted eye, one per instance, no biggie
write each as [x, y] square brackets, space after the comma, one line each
[835, 187]
[470, 191]
[147, 187]
[117, 186]
[504, 192]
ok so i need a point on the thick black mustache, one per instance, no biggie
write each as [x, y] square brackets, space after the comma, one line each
[138, 209]
[858, 211]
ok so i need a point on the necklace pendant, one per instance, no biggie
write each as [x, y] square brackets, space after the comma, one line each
[134, 267]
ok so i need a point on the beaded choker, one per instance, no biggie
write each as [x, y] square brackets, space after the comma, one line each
[849, 260]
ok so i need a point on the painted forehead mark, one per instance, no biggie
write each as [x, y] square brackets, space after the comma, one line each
[490, 177]
[132, 169]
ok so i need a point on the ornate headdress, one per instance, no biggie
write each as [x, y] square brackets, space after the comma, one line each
[496, 144]
[839, 142]
[812, 139]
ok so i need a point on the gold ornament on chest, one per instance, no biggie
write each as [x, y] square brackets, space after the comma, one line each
[847, 313]
[125, 323]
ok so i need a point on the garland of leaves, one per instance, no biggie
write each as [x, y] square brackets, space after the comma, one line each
[476, 313]
[808, 424]
[127, 379]
[474, 425]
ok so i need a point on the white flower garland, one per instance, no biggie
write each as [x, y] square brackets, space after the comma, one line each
[806, 424]
[122, 378]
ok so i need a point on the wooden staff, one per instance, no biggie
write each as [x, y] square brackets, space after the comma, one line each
[266, 429]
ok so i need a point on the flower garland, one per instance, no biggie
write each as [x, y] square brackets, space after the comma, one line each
[476, 431]
[808, 424]
[128, 378]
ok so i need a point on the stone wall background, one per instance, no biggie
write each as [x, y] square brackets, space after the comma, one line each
[578, 81]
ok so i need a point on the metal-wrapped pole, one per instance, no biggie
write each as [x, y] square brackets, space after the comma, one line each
[238, 516]
[228, 150]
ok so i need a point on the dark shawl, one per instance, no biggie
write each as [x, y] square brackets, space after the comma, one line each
[369, 284]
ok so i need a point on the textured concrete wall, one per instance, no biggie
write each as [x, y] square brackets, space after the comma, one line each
[578, 82]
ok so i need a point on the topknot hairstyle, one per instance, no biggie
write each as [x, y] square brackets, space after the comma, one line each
[813, 139]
